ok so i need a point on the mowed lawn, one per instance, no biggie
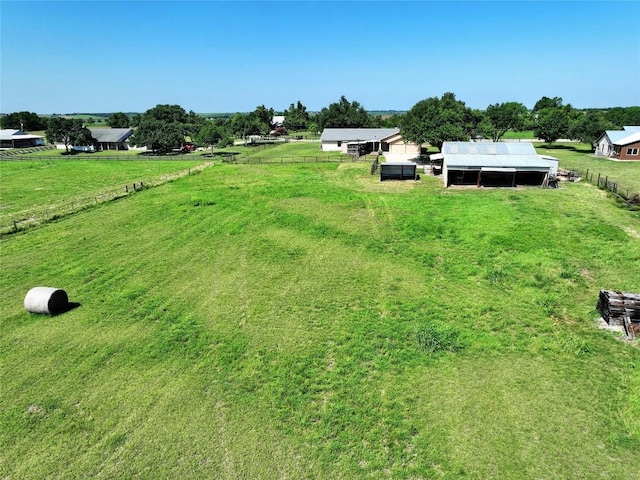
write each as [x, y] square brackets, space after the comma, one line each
[309, 321]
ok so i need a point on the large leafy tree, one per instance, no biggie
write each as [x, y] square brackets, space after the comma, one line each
[158, 135]
[621, 116]
[194, 123]
[263, 117]
[589, 127]
[68, 131]
[164, 127]
[343, 114]
[243, 125]
[296, 117]
[477, 124]
[25, 121]
[504, 117]
[437, 120]
[211, 134]
[167, 113]
[546, 102]
[552, 123]
[118, 120]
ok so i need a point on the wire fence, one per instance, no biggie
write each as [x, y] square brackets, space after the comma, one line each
[621, 192]
[115, 157]
[239, 159]
[29, 218]
[13, 223]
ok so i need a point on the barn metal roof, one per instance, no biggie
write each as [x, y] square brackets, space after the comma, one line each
[10, 134]
[355, 134]
[633, 138]
[405, 163]
[111, 135]
[616, 136]
[465, 155]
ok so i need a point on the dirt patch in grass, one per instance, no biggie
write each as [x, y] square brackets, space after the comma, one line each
[631, 232]
[617, 330]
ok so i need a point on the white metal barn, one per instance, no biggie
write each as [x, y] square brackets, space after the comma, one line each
[494, 164]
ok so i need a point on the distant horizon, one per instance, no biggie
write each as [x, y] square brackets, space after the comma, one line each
[222, 56]
[313, 112]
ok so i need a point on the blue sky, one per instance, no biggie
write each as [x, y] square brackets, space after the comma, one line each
[214, 56]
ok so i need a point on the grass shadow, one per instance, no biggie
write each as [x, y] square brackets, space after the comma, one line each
[67, 308]
[555, 146]
[219, 154]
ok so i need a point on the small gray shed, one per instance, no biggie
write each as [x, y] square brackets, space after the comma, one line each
[400, 170]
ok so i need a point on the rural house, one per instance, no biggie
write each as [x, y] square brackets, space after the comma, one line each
[494, 164]
[620, 144]
[10, 138]
[104, 139]
[111, 138]
[362, 141]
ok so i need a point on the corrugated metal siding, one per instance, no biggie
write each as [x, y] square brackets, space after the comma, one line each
[470, 155]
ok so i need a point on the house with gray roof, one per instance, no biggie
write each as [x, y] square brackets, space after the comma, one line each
[362, 141]
[494, 164]
[104, 139]
[620, 144]
[111, 138]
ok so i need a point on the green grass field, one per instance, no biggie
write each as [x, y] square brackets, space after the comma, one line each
[528, 134]
[579, 156]
[33, 187]
[281, 151]
[309, 321]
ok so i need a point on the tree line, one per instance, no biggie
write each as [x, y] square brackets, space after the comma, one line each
[430, 121]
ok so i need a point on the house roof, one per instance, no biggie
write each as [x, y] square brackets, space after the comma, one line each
[633, 138]
[7, 133]
[11, 134]
[405, 163]
[111, 135]
[492, 155]
[615, 136]
[394, 137]
[356, 134]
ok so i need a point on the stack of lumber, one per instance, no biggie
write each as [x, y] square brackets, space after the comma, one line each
[615, 306]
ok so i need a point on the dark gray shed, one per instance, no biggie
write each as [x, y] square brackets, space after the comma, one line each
[398, 171]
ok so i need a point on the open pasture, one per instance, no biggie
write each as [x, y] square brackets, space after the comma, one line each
[579, 156]
[272, 151]
[309, 321]
[33, 187]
